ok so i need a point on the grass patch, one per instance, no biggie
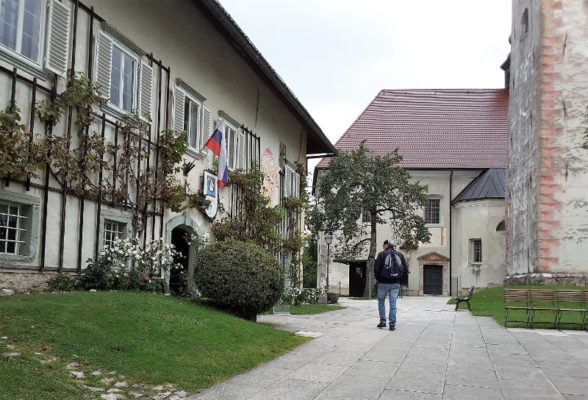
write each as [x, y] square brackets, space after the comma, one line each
[490, 303]
[150, 339]
[314, 309]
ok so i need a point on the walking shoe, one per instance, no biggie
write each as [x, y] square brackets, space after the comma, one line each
[382, 324]
[392, 327]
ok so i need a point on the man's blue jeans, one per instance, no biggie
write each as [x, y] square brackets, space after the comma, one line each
[391, 290]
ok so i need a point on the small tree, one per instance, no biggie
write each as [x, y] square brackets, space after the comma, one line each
[359, 182]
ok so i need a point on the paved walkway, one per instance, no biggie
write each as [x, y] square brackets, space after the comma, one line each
[435, 353]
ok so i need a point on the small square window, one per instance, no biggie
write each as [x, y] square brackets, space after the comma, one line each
[366, 217]
[113, 231]
[475, 251]
[14, 225]
[432, 211]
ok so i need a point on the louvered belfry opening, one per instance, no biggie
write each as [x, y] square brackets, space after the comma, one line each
[151, 100]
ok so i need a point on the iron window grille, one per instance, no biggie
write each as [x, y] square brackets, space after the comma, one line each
[432, 211]
[476, 251]
[12, 227]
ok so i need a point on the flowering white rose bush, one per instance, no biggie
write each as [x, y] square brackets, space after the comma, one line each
[125, 265]
[301, 297]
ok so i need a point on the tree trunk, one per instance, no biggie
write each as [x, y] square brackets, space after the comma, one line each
[370, 278]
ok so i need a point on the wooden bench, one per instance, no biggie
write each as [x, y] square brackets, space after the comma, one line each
[516, 300]
[572, 301]
[465, 299]
[542, 300]
[556, 302]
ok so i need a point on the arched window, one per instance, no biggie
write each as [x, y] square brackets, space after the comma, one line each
[501, 227]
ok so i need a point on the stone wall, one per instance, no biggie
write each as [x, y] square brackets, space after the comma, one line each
[548, 227]
[21, 281]
[522, 251]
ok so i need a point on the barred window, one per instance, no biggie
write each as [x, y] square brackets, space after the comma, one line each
[12, 227]
[476, 250]
[432, 210]
[113, 231]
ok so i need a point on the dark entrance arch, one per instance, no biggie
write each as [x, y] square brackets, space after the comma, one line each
[433, 279]
[178, 278]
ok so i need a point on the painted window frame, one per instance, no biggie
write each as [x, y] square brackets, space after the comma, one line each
[116, 216]
[291, 182]
[121, 232]
[233, 152]
[135, 89]
[34, 67]
[191, 100]
[476, 256]
[31, 236]
[426, 211]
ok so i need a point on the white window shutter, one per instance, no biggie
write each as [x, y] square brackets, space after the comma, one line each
[179, 105]
[103, 64]
[242, 154]
[206, 129]
[288, 182]
[58, 38]
[296, 184]
[146, 92]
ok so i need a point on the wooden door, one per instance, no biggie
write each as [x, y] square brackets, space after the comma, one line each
[433, 279]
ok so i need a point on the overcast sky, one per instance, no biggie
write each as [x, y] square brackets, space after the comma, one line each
[336, 55]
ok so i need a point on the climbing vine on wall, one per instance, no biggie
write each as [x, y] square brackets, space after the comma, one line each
[255, 220]
[87, 164]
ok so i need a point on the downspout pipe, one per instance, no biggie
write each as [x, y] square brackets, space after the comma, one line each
[450, 228]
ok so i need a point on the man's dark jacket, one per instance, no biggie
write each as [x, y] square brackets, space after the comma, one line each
[379, 264]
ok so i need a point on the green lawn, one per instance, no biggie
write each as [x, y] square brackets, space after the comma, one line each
[490, 303]
[314, 309]
[150, 339]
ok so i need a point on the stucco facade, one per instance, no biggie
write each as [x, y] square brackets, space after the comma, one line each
[448, 248]
[189, 47]
[547, 229]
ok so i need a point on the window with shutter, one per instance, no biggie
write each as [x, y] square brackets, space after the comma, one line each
[22, 32]
[146, 92]
[231, 137]
[58, 38]
[242, 152]
[192, 121]
[103, 64]
[206, 127]
[179, 109]
[292, 184]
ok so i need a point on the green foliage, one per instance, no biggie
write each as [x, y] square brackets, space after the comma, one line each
[309, 263]
[301, 297]
[238, 276]
[150, 339]
[97, 275]
[62, 283]
[359, 182]
[20, 156]
[256, 220]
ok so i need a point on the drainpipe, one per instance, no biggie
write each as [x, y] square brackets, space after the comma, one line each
[450, 230]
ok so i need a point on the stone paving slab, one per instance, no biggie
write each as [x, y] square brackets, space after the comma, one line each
[435, 354]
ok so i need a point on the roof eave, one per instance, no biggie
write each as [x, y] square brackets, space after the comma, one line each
[317, 142]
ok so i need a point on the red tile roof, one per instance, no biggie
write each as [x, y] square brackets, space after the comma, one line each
[435, 128]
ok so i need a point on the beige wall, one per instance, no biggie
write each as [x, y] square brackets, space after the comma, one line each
[175, 32]
[478, 220]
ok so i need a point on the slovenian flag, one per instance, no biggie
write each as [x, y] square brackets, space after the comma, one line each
[216, 144]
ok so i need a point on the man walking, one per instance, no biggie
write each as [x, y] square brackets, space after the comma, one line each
[388, 270]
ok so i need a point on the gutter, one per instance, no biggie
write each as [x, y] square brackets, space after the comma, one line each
[450, 227]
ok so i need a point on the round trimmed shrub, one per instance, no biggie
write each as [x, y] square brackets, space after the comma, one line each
[240, 277]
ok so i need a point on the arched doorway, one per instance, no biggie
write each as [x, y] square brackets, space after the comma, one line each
[178, 278]
[177, 230]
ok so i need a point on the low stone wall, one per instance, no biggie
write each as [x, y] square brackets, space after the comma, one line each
[20, 281]
[547, 279]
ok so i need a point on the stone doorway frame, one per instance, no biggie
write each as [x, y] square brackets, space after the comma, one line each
[184, 220]
[434, 258]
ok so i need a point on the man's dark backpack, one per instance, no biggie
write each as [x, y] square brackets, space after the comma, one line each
[392, 268]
